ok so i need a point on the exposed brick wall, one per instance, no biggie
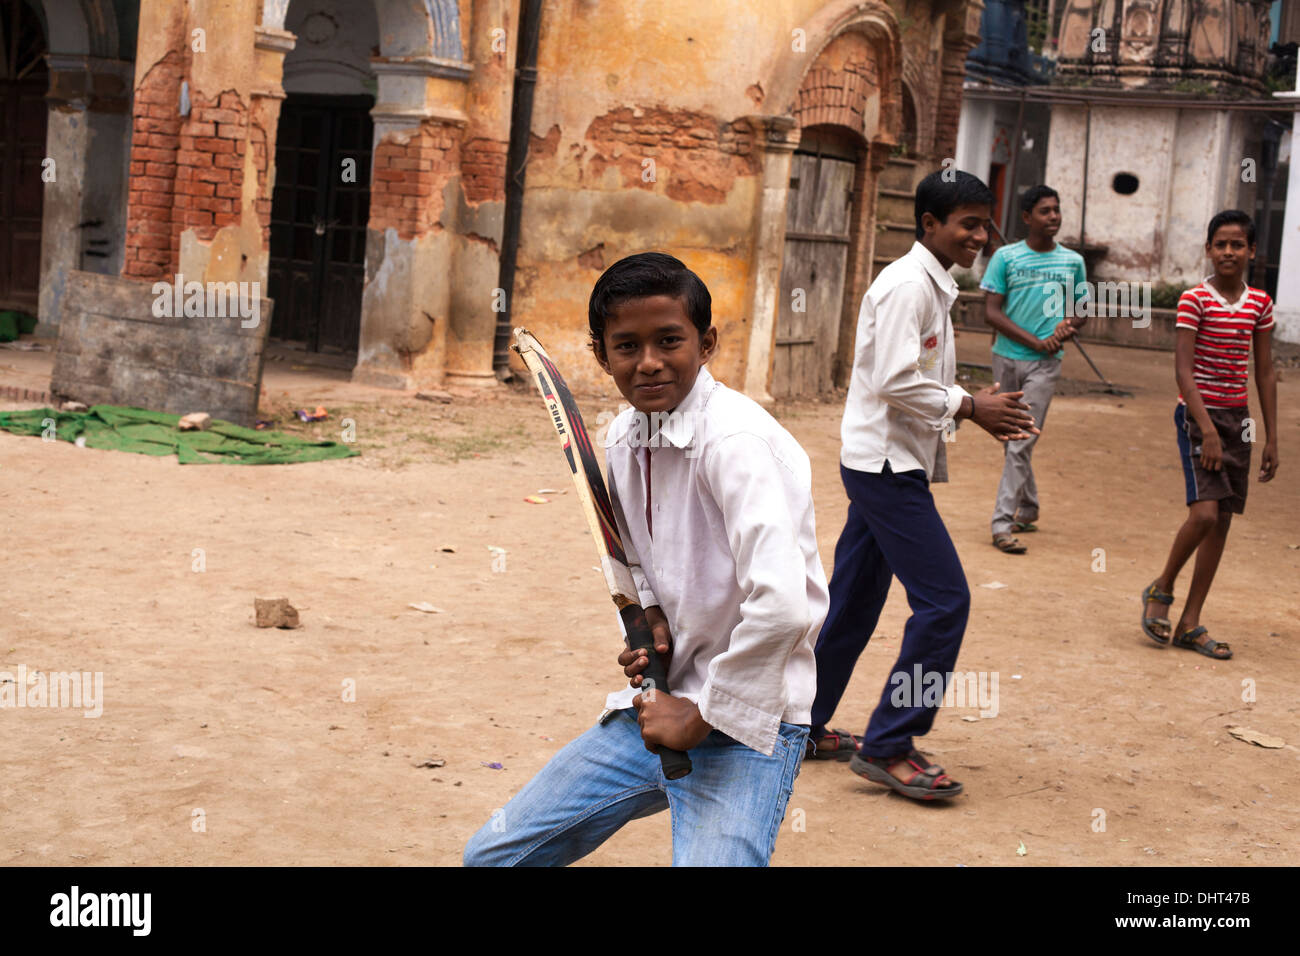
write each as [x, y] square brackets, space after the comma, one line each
[483, 170]
[697, 156]
[210, 165]
[838, 85]
[410, 170]
[949, 108]
[151, 249]
[186, 172]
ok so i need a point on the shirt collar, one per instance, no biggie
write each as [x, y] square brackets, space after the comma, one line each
[676, 428]
[941, 276]
[1231, 306]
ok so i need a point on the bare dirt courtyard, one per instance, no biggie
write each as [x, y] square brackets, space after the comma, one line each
[223, 743]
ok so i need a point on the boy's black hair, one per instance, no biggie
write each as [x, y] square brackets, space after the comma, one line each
[1036, 194]
[643, 275]
[939, 197]
[1231, 217]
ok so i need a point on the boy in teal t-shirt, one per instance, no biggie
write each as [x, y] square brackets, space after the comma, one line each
[1026, 287]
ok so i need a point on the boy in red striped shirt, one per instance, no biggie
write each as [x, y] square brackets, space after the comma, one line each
[1217, 321]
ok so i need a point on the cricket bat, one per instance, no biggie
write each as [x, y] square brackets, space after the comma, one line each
[590, 484]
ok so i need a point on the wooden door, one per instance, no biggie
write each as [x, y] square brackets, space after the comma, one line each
[318, 221]
[23, 84]
[812, 275]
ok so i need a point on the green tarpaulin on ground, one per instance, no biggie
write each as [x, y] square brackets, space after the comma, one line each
[156, 433]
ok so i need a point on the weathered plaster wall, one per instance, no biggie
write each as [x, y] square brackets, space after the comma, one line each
[675, 92]
[1188, 165]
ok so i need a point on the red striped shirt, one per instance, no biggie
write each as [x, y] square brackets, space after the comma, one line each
[1223, 336]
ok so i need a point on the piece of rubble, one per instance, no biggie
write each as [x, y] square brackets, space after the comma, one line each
[73, 407]
[434, 396]
[275, 612]
[195, 422]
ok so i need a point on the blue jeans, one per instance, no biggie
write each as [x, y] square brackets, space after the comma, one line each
[726, 812]
[893, 529]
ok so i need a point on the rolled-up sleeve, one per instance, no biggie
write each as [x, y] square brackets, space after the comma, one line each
[897, 375]
[744, 694]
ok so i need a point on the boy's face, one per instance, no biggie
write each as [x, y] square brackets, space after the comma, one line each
[1045, 218]
[961, 236]
[654, 352]
[1229, 250]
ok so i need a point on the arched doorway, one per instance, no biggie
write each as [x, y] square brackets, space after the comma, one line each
[24, 81]
[845, 99]
[321, 202]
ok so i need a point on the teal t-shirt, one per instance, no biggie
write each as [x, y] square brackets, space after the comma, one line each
[1035, 285]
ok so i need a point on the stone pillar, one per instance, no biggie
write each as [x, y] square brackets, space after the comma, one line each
[193, 187]
[414, 206]
[1287, 307]
[775, 138]
[84, 218]
[271, 46]
[472, 321]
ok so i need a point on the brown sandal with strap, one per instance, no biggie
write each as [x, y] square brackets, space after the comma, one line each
[1189, 640]
[1008, 544]
[1157, 628]
[832, 745]
[926, 783]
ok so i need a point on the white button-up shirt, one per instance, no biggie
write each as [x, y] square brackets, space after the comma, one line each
[902, 395]
[730, 555]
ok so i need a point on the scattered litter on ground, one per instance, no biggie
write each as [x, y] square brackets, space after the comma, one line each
[491, 766]
[536, 500]
[426, 607]
[1015, 677]
[994, 585]
[433, 763]
[448, 549]
[261, 425]
[550, 491]
[275, 612]
[194, 422]
[73, 407]
[1257, 738]
[1020, 850]
[970, 719]
[317, 416]
[434, 396]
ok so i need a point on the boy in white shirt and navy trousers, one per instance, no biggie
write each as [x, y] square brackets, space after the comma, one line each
[713, 500]
[902, 398]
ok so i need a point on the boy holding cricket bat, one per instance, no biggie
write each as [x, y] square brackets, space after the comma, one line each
[713, 501]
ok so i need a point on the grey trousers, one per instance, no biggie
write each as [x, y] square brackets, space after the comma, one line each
[1017, 492]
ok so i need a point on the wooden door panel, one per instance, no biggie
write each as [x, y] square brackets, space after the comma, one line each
[812, 274]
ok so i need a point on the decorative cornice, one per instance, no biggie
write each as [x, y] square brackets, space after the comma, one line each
[277, 41]
[421, 66]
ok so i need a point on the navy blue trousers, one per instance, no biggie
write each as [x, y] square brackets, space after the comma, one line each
[893, 528]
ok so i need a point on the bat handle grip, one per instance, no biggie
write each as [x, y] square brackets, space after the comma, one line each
[676, 764]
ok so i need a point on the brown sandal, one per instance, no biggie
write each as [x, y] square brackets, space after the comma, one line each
[1007, 544]
[1157, 628]
[832, 745]
[923, 784]
[1188, 639]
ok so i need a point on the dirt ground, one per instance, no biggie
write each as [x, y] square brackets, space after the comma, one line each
[222, 743]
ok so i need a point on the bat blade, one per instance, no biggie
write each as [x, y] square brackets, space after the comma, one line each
[594, 498]
[583, 467]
